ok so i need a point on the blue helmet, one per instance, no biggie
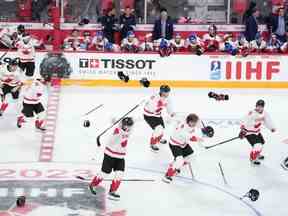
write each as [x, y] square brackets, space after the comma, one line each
[130, 34]
[163, 43]
[258, 36]
[192, 37]
[99, 34]
[108, 46]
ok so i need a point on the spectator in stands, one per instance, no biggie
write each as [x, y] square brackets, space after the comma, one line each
[109, 24]
[279, 24]
[163, 27]
[127, 22]
[73, 41]
[251, 25]
[40, 10]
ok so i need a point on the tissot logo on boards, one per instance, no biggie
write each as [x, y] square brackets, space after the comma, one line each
[89, 63]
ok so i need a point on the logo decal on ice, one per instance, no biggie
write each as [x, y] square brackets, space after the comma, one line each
[52, 198]
[215, 70]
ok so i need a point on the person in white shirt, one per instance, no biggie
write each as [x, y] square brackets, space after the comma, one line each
[153, 115]
[10, 83]
[130, 43]
[26, 52]
[32, 104]
[251, 130]
[185, 134]
[178, 43]
[114, 158]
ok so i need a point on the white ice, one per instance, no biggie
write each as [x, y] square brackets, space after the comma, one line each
[75, 146]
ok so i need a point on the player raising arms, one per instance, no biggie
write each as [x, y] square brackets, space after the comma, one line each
[10, 83]
[114, 155]
[251, 130]
[152, 114]
[32, 104]
[183, 135]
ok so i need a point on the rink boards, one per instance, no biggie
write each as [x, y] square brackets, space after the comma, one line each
[177, 70]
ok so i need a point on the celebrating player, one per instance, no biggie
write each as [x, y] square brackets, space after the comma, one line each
[177, 43]
[32, 104]
[152, 114]
[251, 130]
[114, 155]
[184, 134]
[26, 53]
[10, 83]
[211, 39]
[9, 36]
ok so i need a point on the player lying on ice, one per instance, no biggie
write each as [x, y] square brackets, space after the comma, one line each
[182, 137]
[114, 158]
[251, 130]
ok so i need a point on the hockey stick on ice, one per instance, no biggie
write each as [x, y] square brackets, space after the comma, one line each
[127, 180]
[221, 143]
[222, 173]
[94, 109]
[116, 122]
[191, 171]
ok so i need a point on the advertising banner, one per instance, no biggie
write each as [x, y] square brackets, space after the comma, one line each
[105, 66]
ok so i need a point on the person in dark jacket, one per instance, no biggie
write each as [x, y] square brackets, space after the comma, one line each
[127, 22]
[279, 24]
[109, 24]
[163, 27]
[251, 26]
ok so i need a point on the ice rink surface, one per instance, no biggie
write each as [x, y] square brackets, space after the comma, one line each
[75, 152]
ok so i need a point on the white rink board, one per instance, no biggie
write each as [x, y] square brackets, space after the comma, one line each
[104, 66]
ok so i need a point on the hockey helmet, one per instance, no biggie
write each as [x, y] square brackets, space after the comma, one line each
[164, 89]
[127, 121]
[192, 118]
[20, 29]
[192, 38]
[260, 103]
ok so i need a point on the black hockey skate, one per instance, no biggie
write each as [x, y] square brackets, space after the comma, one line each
[256, 162]
[163, 141]
[261, 157]
[167, 179]
[113, 196]
[154, 148]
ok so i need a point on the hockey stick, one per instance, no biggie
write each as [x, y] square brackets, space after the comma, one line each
[94, 109]
[221, 143]
[191, 171]
[116, 122]
[127, 180]
[222, 173]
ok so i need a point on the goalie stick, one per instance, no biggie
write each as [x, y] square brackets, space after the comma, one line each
[116, 122]
[127, 180]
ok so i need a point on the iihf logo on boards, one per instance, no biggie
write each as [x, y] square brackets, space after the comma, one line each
[215, 70]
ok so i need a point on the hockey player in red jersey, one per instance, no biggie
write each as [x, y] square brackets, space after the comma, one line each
[114, 158]
[10, 83]
[152, 114]
[32, 104]
[183, 135]
[251, 130]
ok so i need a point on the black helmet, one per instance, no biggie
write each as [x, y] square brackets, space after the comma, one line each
[127, 121]
[20, 29]
[260, 103]
[14, 62]
[192, 118]
[164, 89]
